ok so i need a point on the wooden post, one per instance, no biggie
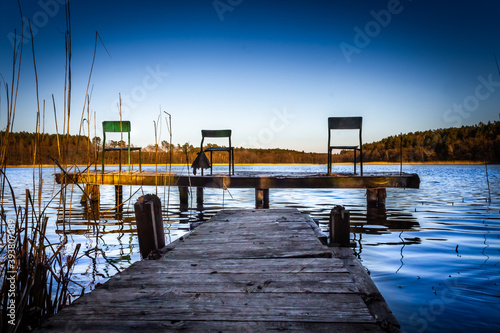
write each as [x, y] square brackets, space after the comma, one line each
[184, 198]
[199, 198]
[381, 195]
[120, 157]
[375, 197]
[149, 224]
[85, 194]
[119, 198]
[261, 198]
[91, 201]
[371, 197]
[339, 225]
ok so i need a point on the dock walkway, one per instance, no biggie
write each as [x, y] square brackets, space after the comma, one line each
[243, 271]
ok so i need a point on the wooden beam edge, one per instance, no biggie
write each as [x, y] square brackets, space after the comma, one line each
[369, 291]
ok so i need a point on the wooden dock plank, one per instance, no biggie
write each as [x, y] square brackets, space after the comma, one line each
[244, 271]
[250, 283]
[161, 305]
[124, 325]
[289, 266]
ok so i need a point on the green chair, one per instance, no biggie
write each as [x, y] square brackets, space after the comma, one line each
[218, 134]
[345, 123]
[118, 127]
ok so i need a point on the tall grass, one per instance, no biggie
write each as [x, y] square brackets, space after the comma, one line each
[35, 275]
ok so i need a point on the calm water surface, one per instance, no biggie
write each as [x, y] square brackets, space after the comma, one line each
[434, 253]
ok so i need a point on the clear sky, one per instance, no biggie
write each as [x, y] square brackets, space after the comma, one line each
[272, 71]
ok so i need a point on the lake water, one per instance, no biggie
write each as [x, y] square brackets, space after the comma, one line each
[434, 253]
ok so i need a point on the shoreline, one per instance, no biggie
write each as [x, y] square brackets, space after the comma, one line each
[250, 164]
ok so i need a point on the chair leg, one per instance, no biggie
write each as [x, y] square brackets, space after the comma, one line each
[354, 161]
[211, 163]
[200, 154]
[361, 161]
[140, 162]
[329, 166]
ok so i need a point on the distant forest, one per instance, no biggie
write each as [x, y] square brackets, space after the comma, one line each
[478, 143]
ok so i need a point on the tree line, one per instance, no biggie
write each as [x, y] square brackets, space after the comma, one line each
[477, 143]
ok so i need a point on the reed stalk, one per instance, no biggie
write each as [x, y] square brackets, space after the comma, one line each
[121, 132]
[169, 128]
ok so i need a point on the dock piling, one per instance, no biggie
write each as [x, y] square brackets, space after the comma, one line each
[375, 197]
[381, 195]
[339, 225]
[91, 201]
[262, 198]
[119, 199]
[184, 198]
[149, 224]
[199, 198]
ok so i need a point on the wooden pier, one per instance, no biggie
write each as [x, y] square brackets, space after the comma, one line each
[374, 183]
[243, 271]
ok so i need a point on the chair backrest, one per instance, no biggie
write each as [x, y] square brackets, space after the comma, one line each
[345, 122]
[116, 126]
[215, 134]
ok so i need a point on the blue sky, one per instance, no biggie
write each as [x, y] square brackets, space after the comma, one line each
[272, 71]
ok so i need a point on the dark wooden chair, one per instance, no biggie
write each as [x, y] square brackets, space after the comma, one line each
[345, 123]
[230, 149]
[118, 127]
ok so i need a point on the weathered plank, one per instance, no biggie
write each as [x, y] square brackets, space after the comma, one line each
[340, 282]
[250, 253]
[127, 325]
[289, 266]
[161, 305]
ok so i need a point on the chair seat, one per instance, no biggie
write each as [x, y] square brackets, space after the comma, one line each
[218, 149]
[344, 147]
[122, 148]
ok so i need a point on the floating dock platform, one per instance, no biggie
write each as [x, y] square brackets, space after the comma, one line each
[375, 183]
[242, 271]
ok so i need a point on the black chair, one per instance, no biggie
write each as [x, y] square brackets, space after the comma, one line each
[345, 123]
[230, 149]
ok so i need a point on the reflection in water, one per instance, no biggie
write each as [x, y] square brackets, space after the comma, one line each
[434, 251]
[402, 256]
[484, 251]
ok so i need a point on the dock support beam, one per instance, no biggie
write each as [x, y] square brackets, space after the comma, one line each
[375, 197]
[261, 198]
[199, 198]
[339, 225]
[184, 198]
[119, 199]
[91, 201]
